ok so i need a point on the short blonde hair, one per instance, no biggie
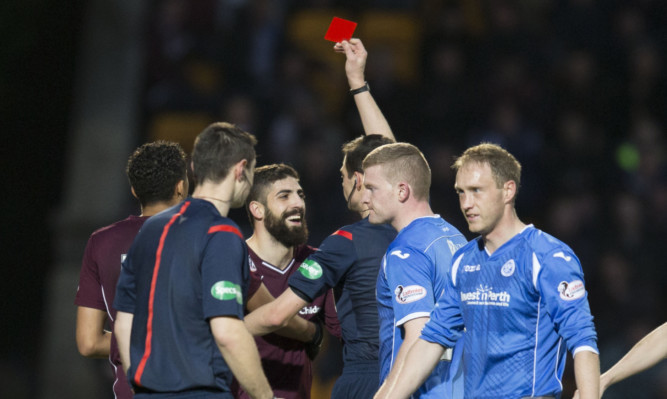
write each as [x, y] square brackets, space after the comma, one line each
[504, 167]
[403, 162]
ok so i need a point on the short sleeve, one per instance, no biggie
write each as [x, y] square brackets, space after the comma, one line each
[126, 292]
[560, 281]
[89, 292]
[446, 324]
[222, 272]
[409, 277]
[326, 267]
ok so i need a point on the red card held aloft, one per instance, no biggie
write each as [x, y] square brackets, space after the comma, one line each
[340, 29]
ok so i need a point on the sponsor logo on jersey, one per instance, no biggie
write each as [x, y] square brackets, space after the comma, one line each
[310, 269]
[400, 254]
[472, 268]
[251, 264]
[309, 310]
[572, 290]
[562, 255]
[485, 296]
[454, 247]
[508, 268]
[226, 290]
[411, 293]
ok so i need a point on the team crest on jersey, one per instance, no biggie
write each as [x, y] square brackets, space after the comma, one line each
[572, 290]
[310, 269]
[251, 264]
[226, 290]
[400, 254]
[508, 268]
[411, 293]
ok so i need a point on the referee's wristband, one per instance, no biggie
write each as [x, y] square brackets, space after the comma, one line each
[362, 89]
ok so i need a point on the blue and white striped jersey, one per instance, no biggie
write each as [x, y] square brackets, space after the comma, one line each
[413, 276]
[524, 307]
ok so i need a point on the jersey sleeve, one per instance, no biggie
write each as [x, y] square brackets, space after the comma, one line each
[89, 292]
[326, 267]
[409, 276]
[446, 324]
[223, 273]
[126, 292]
[560, 280]
[331, 315]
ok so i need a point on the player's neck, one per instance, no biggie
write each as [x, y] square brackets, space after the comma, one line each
[270, 250]
[410, 212]
[157, 207]
[508, 227]
[220, 195]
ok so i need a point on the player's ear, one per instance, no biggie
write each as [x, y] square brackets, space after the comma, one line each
[181, 190]
[359, 180]
[403, 189]
[509, 189]
[256, 210]
[134, 193]
[239, 169]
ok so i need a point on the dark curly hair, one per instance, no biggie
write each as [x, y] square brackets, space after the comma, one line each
[154, 169]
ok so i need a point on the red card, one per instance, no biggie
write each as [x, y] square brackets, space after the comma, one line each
[340, 29]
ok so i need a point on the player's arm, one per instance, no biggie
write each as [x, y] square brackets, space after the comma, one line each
[372, 118]
[275, 314]
[122, 331]
[410, 374]
[411, 330]
[91, 338]
[587, 374]
[297, 328]
[240, 353]
[646, 353]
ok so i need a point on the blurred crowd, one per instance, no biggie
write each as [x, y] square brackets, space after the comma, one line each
[576, 89]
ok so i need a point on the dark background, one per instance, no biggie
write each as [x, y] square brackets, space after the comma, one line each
[575, 89]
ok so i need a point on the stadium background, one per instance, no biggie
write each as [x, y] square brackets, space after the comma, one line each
[576, 89]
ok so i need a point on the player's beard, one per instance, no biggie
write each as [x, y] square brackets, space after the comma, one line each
[286, 235]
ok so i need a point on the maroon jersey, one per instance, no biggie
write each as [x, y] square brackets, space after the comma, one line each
[284, 360]
[100, 269]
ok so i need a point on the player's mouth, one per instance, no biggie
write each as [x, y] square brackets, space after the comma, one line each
[295, 218]
[471, 218]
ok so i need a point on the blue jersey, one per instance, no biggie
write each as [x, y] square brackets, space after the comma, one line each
[523, 307]
[413, 277]
[349, 261]
[187, 265]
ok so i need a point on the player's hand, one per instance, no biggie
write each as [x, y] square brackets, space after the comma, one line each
[313, 347]
[356, 55]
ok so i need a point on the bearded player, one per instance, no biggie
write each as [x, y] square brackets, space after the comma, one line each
[277, 211]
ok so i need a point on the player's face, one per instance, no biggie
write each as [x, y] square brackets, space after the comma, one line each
[379, 196]
[285, 214]
[480, 198]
